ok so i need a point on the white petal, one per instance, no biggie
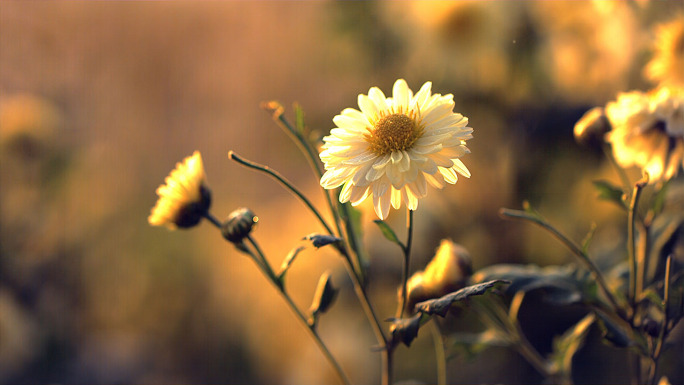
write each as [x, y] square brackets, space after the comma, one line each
[374, 173]
[368, 107]
[359, 194]
[396, 156]
[435, 180]
[405, 162]
[401, 96]
[364, 157]
[461, 168]
[422, 95]
[449, 174]
[350, 123]
[330, 181]
[380, 187]
[345, 194]
[396, 198]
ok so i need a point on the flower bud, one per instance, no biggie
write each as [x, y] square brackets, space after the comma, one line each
[591, 127]
[447, 272]
[239, 224]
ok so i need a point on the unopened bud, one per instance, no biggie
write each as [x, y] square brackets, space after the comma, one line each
[591, 127]
[239, 224]
[447, 272]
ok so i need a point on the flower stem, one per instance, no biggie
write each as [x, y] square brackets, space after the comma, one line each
[266, 269]
[634, 280]
[583, 257]
[275, 175]
[663, 328]
[440, 354]
[407, 260]
[213, 220]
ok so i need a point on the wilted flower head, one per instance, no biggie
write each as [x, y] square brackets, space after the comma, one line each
[447, 272]
[667, 65]
[184, 199]
[394, 147]
[648, 131]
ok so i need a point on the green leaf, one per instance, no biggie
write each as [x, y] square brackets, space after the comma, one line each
[388, 232]
[472, 344]
[353, 225]
[440, 306]
[565, 346]
[560, 285]
[610, 192]
[406, 329]
[323, 298]
[620, 334]
[319, 240]
[287, 262]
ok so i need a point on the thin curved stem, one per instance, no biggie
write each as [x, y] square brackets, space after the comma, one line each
[583, 257]
[440, 354]
[275, 175]
[407, 260]
[259, 256]
[634, 280]
[213, 220]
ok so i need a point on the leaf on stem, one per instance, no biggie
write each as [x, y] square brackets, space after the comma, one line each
[320, 240]
[619, 334]
[323, 298]
[609, 192]
[388, 233]
[440, 306]
[560, 285]
[472, 344]
[406, 329]
[565, 346]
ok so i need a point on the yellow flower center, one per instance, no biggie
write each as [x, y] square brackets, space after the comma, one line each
[395, 132]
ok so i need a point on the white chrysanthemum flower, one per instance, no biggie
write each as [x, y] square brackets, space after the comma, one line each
[394, 147]
[648, 131]
[184, 199]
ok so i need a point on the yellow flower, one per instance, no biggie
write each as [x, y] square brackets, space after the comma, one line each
[648, 131]
[667, 65]
[184, 199]
[447, 272]
[394, 147]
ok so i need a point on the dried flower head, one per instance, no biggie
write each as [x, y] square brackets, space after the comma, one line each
[183, 199]
[394, 147]
[667, 65]
[447, 272]
[648, 131]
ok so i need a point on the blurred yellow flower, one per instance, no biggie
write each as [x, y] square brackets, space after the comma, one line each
[394, 147]
[648, 131]
[667, 65]
[447, 272]
[184, 199]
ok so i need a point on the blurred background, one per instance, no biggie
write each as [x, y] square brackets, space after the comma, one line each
[99, 100]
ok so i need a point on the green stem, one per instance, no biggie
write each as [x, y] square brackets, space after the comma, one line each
[440, 354]
[663, 328]
[275, 175]
[259, 256]
[635, 290]
[213, 220]
[407, 259]
[583, 257]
